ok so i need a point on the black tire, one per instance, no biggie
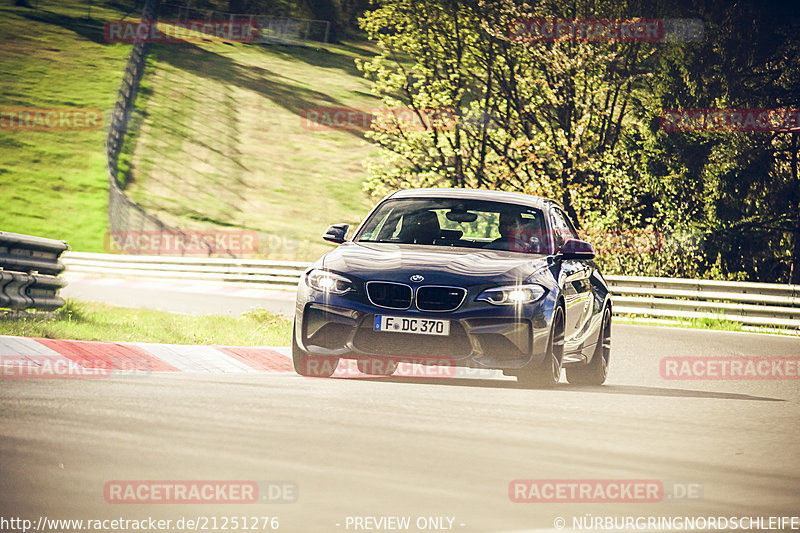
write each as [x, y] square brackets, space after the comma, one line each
[312, 366]
[376, 367]
[596, 371]
[547, 373]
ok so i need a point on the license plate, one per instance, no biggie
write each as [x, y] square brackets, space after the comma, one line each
[421, 326]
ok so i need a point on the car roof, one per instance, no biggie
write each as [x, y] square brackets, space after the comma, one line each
[475, 194]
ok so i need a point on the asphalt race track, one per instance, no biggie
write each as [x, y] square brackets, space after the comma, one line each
[412, 447]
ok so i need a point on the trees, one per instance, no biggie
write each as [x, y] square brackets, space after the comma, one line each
[740, 190]
[578, 121]
[544, 118]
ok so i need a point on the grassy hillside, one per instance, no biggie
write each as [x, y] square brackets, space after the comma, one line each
[223, 141]
[220, 142]
[53, 183]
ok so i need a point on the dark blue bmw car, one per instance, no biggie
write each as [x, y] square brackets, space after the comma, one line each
[474, 278]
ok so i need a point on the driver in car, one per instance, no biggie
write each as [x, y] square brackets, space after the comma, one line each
[513, 234]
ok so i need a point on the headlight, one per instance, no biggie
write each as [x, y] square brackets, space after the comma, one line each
[512, 294]
[324, 281]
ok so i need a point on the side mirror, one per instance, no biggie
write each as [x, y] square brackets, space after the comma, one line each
[577, 249]
[336, 233]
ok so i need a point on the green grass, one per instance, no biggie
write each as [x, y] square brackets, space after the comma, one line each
[219, 141]
[717, 324]
[53, 183]
[695, 323]
[222, 141]
[101, 322]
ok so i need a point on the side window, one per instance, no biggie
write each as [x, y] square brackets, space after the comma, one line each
[562, 228]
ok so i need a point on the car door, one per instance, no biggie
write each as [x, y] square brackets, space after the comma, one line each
[575, 283]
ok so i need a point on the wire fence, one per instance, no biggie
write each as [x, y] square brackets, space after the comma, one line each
[127, 219]
[271, 29]
[292, 31]
[125, 215]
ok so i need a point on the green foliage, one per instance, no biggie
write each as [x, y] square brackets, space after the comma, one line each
[579, 122]
[542, 118]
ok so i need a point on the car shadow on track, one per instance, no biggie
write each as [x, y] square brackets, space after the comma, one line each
[633, 390]
[636, 390]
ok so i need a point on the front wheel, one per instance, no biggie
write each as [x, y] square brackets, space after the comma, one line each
[547, 373]
[310, 365]
[596, 371]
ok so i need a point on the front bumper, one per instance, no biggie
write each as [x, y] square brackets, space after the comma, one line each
[481, 335]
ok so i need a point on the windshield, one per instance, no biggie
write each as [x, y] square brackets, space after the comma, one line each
[457, 223]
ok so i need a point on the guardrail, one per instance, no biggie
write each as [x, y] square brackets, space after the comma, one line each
[28, 269]
[255, 272]
[758, 304]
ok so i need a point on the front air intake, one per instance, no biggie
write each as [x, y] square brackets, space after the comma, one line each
[436, 298]
[389, 295]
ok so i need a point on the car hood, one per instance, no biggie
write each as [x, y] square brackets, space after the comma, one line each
[437, 264]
